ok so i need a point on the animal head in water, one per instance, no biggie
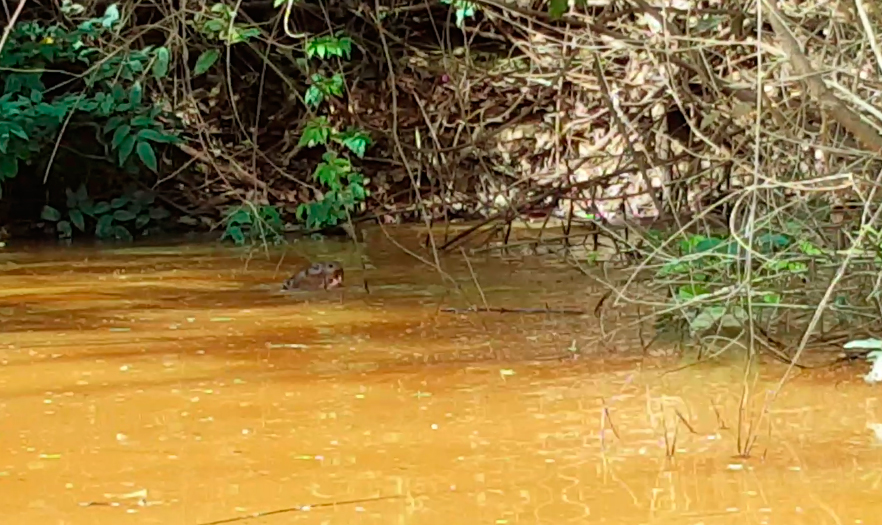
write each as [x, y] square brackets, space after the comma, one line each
[318, 276]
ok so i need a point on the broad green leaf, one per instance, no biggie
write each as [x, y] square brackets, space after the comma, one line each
[156, 136]
[112, 124]
[50, 214]
[313, 96]
[355, 140]
[125, 149]
[122, 233]
[556, 8]
[111, 16]
[771, 298]
[119, 94]
[104, 228]
[147, 156]
[317, 131]
[136, 94]
[119, 202]
[82, 194]
[160, 63]
[71, 198]
[123, 215]
[17, 130]
[235, 233]
[240, 216]
[64, 229]
[214, 26]
[101, 208]
[205, 61]
[77, 219]
[8, 167]
[142, 221]
[336, 85]
[120, 135]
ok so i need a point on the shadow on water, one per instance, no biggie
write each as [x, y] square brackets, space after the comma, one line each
[169, 385]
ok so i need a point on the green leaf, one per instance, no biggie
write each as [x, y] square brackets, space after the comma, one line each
[335, 86]
[50, 214]
[119, 135]
[123, 215]
[147, 156]
[82, 194]
[214, 26]
[125, 149]
[104, 228]
[156, 136]
[205, 61]
[122, 233]
[771, 298]
[556, 8]
[160, 63]
[136, 94]
[142, 221]
[157, 213]
[111, 16]
[71, 198]
[810, 249]
[240, 216]
[355, 140]
[112, 123]
[235, 233]
[64, 229]
[119, 202]
[76, 217]
[86, 206]
[8, 167]
[313, 96]
[118, 93]
[772, 241]
[101, 208]
[18, 131]
[317, 131]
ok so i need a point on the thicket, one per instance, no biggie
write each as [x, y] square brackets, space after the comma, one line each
[728, 151]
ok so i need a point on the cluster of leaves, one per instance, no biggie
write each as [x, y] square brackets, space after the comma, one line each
[32, 113]
[462, 9]
[133, 211]
[253, 222]
[706, 263]
[218, 24]
[343, 187]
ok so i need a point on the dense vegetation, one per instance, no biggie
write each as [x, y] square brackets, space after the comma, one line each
[741, 178]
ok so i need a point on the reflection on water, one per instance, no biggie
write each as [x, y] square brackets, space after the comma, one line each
[173, 387]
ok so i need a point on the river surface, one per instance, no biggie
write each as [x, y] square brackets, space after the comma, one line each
[170, 385]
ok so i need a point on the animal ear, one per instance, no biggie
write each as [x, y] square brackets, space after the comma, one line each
[315, 268]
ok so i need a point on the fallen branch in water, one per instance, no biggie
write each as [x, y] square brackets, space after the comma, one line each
[303, 508]
[480, 309]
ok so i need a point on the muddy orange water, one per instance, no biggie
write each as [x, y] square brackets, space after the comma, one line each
[171, 386]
